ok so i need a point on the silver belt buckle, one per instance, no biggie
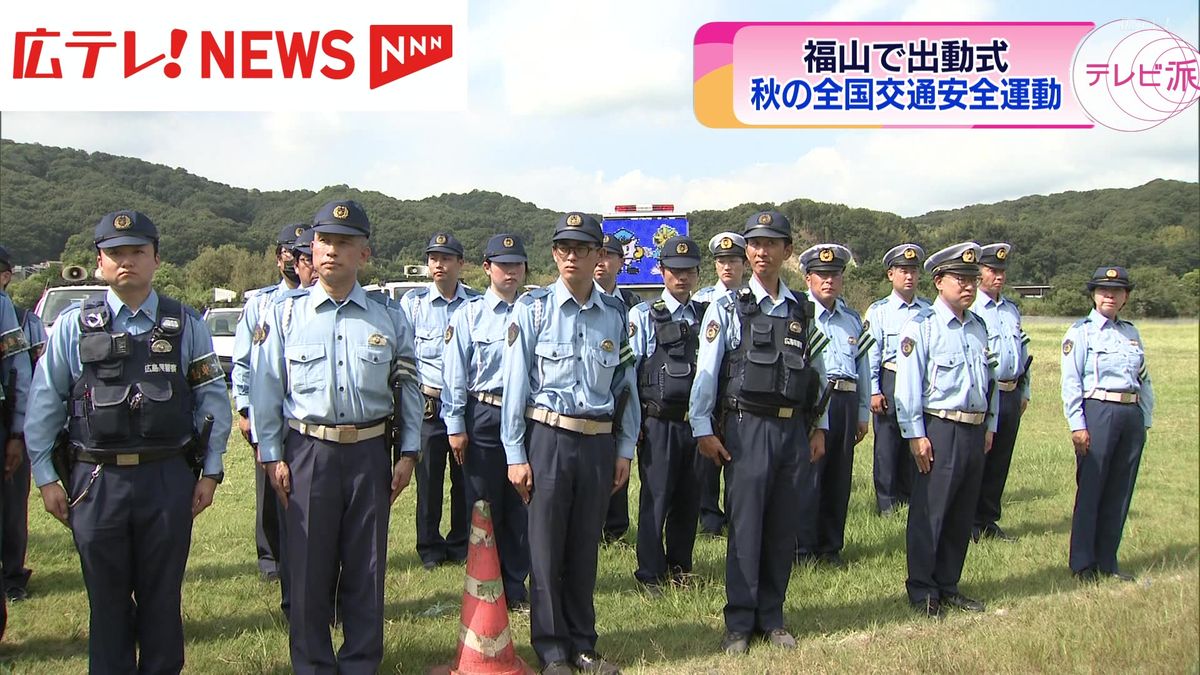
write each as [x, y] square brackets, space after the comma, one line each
[347, 433]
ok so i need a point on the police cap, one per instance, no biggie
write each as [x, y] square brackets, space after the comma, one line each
[727, 244]
[995, 255]
[304, 241]
[342, 216]
[768, 224]
[904, 255]
[825, 258]
[679, 253]
[1110, 277]
[579, 226]
[505, 248]
[960, 258]
[125, 228]
[444, 242]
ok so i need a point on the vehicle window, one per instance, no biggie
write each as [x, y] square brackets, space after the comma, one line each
[58, 301]
[223, 324]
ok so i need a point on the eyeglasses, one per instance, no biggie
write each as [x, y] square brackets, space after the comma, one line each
[964, 282]
[578, 250]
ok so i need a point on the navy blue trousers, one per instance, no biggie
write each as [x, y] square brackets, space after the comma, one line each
[133, 530]
[431, 476]
[15, 540]
[995, 468]
[894, 467]
[943, 509]
[337, 522]
[712, 518]
[486, 471]
[616, 518]
[1104, 480]
[668, 466]
[828, 494]
[764, 479]
[572, 480]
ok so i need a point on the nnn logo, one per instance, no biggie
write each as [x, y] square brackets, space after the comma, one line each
[397, 51]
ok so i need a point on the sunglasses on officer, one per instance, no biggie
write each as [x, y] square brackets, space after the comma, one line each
[578, 250]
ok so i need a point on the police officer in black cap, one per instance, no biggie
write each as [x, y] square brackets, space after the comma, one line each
[612, 258]
[754, 370]
[332, 363]
[1108, 399]
[568, 438]
[15, 486]
[665, 336]
[430, 309]
[134, 379]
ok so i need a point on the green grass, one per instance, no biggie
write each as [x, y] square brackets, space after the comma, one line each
[1038, 618]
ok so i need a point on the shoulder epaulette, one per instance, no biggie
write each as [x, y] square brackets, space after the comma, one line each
[1080, 322]
[471, 292]
[418, 292]
[880, 302]
[920, 316]
[529, 296]
[725, 301]
[280, 296]
[614, 302]
[927, 302]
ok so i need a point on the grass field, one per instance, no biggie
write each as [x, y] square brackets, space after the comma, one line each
[1039, 619]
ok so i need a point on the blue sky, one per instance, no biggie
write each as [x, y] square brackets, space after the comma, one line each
[585, 105]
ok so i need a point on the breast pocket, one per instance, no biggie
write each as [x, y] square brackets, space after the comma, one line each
[488, 350]
[948, 373]
[307, 367]
[555, 364]
[890, 342]
[599, 367]
[429, 343]
[374, 362]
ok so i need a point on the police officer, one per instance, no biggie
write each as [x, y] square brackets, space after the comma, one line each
[14, 359]
[1109, 403]
[132, 376]
[569, 423]
[754, 372]
[267, 520]
[15, 486]
[612, 259]
[841, 343]
[728, 250]
[429, 309]
[946, 406]
[664, 337]
[1010, 346]
[893, 466]
[302, 256]
[331, 362]
[474, 388]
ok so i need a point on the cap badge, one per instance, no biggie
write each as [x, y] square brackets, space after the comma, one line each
[122, 222]
[968, 256]
[726, 243]
[574, 220]
[681, 248]
[826, 255]
[440, 239]
[1111, 273]
[910, 253]
[299, 231]
[341, 212]
[764, 219]
[508, 242]
[1001, 254]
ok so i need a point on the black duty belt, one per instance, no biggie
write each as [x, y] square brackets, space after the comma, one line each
[781, 412]
[669, 414]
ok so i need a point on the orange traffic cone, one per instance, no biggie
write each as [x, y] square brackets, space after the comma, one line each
[485, 644]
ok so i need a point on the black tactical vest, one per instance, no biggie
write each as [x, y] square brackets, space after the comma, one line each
[770, 366]
[665, 377]
[133, 395]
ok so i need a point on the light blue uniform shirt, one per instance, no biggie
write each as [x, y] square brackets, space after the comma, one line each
[641, 326]
[429, 313]
[474, 355]
[325, 362]
[35, 333]
[709, 294]
[842, 355]
[884, 320]
[1102, 354]
[946, 369]
[569, 358]
[729, 335]
[1007, 342]
[243, 353]
[14, 356]
[60, 368]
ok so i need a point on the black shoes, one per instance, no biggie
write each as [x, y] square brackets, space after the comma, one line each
[960, 601]
[519, 607]
[992, 531]
[779, 637]
[930, 607]
[557, 668]
[591, 662]
[1119, 576]
[1093, 575]
[18, 593]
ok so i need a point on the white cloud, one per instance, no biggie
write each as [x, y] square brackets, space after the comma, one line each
[913, 10]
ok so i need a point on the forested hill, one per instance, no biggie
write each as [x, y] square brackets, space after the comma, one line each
[49, 195]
